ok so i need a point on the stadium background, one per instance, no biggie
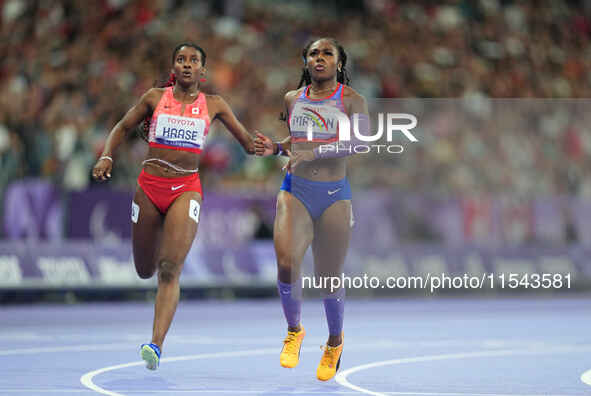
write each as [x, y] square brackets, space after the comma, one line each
[503, 194]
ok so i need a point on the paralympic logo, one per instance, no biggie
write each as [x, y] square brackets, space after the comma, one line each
[388, 122]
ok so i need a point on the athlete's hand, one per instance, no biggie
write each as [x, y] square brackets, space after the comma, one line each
[102, 169]
[297, 158]
[263, 146]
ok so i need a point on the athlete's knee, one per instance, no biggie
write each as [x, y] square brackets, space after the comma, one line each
[144, 273]
[168, 271]
[286, 261]
[287, 267]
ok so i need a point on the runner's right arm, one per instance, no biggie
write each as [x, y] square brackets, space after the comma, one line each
[104, 165]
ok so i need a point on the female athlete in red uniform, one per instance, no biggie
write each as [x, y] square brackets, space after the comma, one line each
[165, 208]
[314, 204]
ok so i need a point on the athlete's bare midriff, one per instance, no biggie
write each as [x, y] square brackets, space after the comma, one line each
[329, 169]
[181, 159]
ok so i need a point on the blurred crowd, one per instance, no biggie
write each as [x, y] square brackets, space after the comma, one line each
[487, 147]
[71, 69]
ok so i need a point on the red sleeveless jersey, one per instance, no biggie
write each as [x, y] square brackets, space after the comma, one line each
[171, 129]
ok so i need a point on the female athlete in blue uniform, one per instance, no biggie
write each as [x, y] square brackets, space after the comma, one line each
[314, 204]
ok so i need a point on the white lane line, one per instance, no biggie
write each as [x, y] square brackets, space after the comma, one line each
[242, 391]
[586, 377]
[341, 378]
[492, 343]
[302, 392]
[86, 379]
[70, 348]
[34, 391]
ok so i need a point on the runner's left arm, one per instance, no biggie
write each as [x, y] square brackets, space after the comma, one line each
[227, 117]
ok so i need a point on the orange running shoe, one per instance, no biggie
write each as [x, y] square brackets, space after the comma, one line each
[290, 354]
[330, 362]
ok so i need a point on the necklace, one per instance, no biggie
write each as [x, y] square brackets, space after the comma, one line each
[188, 93]
[312, 91]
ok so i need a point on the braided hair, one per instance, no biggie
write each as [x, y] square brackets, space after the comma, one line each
[342, 75]
[145, 129]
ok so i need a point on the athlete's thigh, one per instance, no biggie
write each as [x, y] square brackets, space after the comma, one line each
[146, 233]
[293, 230]
[332, 233]
[180, 228]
